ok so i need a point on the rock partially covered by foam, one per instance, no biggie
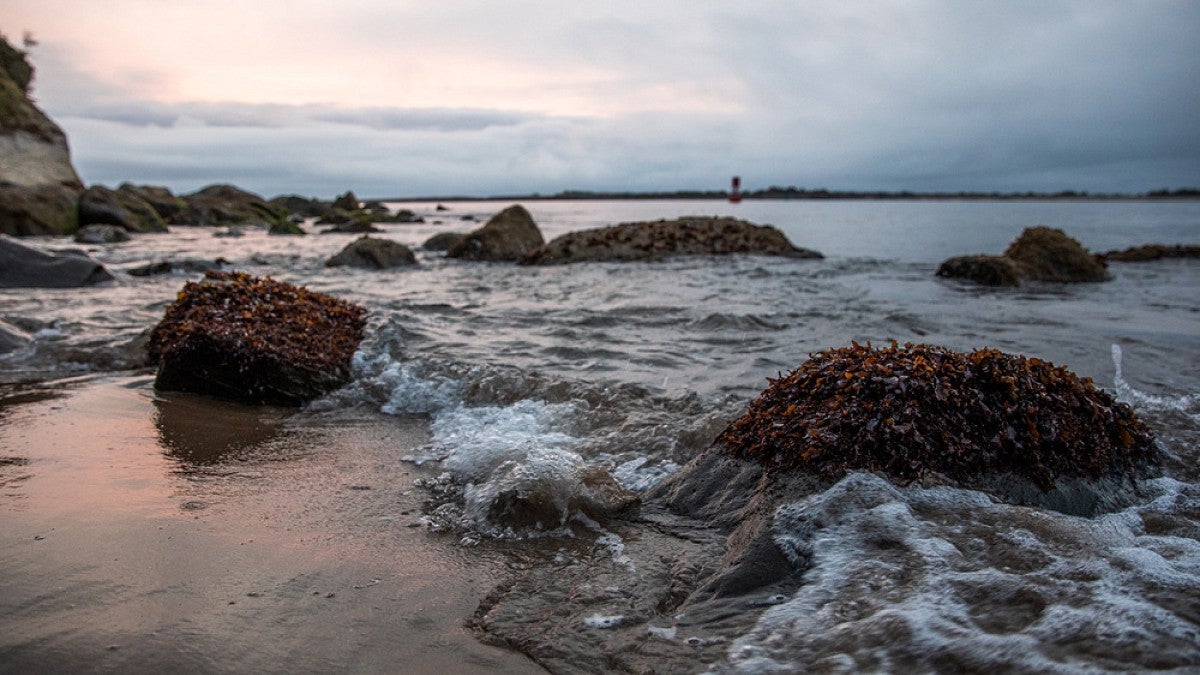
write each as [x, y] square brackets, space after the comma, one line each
[691, 235]
[255, 340]
[508, 236]
[919, 409]
[1040, 254]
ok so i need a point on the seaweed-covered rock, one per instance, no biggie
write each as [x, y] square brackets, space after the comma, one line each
[691, 235]
[255, 340]
[220, 205]
[23, 266]
[1040, 254]
[989, 270]
[101, 234]
[442, 241]
[308, 207]
[1152, 252]
[373, 254]
[286, 227]
[99, 205]
[508, 236]
[920, 409]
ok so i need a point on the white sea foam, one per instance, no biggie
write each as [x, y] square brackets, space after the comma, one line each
[943, 578]
[1187, 403]
[602, 621]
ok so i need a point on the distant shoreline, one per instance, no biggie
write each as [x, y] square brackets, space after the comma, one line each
[793, 194]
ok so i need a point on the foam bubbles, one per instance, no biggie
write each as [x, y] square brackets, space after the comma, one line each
[946, 579]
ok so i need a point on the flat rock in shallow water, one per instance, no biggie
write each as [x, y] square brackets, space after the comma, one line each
[22, 266]
[255, 340]
[666, 238]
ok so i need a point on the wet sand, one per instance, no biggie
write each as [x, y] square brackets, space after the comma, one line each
[167, 532]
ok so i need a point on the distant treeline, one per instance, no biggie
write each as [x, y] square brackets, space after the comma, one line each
[776, 192]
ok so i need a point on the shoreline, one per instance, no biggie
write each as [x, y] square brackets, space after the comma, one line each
[147, 531]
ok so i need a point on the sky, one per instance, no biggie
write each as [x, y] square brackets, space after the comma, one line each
[394, 98]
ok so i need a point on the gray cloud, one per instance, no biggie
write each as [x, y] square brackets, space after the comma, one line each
[1095, 95]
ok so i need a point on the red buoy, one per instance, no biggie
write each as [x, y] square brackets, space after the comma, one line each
[735, 194]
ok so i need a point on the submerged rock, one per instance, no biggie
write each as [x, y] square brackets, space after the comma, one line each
[23, 266]
[508, 236]
[255, 340]
[101, 234]
[1152, 252]
[99, 205]
[1039, 254]
[655, 240]
[187, 266]
[920, 410]
[373, 254]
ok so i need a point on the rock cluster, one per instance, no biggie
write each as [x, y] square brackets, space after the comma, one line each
[255, 340]
[508, 236]
[1040, 254]
[916, 410]
[691, 235]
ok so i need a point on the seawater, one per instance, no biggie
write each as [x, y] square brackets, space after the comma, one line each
[531, 378]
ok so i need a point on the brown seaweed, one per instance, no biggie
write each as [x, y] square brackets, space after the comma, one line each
[919, 409]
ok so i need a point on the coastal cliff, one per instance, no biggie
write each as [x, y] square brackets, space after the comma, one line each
[38, 184]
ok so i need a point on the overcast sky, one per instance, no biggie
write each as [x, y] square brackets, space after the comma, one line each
[393, 98]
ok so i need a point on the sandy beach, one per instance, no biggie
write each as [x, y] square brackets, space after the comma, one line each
[168, 532]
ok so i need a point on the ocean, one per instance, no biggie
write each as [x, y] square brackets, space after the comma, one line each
[526, 378]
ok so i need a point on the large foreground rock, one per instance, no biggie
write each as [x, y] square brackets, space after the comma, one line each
[1040, 254]
[255, 340]
[655, 240]
[220, 205]
[508, 236]
[371, 253]
[99, 205]
[22, 266]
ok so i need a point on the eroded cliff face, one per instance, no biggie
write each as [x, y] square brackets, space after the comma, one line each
[39, 189]
[33, 149]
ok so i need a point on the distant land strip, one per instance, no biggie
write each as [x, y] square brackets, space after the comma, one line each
[776, 192]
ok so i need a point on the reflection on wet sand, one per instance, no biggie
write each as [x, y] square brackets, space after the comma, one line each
[202, 431]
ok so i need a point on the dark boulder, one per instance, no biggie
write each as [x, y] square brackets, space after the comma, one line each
[442, 241]
[347, 202]
[308, 207]
[1152, 252]
[220, 205]
[509, 235]
[1040, 254]
[373, 254]
[255, 340]
[660, 239]
[99, 205]
[356, 225]
[162, 200]
[286, 227]
[22, 266]
[48, 209]
[101, 234]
